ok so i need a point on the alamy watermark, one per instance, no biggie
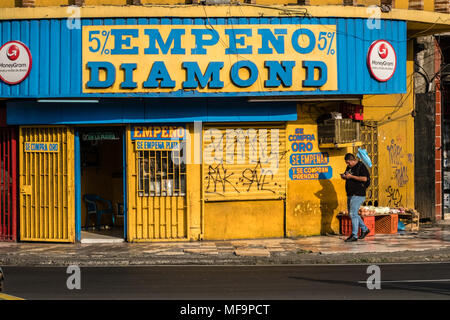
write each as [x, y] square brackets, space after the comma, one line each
[374, 280]
[74, 19]
[74, 280]
[232, 146]
[374, 21]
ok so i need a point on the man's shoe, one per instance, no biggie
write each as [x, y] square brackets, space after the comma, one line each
[351, 239]
[364, 234]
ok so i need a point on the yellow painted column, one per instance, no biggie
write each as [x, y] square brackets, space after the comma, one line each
[71, 183]
[193, 184]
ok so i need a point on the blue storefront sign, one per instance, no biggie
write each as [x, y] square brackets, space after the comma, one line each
[271, 57]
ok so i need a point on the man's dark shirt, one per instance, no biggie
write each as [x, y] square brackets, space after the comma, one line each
[354, 187]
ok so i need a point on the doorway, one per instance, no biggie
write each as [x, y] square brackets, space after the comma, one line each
[101, 218]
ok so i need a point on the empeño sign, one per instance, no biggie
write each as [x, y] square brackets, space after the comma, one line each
[15, 62]
[158, 137]
[381, 60]
[213, 59]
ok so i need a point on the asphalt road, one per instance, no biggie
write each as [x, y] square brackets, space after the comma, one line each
[397, 281]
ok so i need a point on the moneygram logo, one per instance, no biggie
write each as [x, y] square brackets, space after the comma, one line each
[13, 52]
[381, 60]
[383, 51]
[15, 62]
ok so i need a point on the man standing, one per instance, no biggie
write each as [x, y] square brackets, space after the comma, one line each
[357, 179]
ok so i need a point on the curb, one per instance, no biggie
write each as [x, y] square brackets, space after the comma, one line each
[442, 255]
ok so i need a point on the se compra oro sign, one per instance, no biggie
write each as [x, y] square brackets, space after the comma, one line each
[15, 62]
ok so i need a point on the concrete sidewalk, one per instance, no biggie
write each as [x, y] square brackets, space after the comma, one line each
[431, 243]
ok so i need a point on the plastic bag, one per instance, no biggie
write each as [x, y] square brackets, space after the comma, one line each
[363, 155]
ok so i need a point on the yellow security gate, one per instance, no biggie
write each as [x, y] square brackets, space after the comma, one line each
[47, 206]
[244, 180]
[157, 205]
[244, 162]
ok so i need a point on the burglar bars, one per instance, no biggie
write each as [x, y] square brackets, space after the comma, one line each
[7, 184]
[161, 174]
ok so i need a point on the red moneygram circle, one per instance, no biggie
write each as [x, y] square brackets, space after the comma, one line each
[13, 52]
[381, 60]
[383, 51]
[15, 62]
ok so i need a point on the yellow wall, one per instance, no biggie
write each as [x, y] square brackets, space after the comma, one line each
[7, 3]
[193, 185]
[325, 2]
[428, 5]
[312, 205]
[401, 4]
[368, 3]
[144, 2]
[244, 219]
[273, 2]
[105, 2]
[48, 3]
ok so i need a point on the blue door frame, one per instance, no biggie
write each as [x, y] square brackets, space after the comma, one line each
[124, 179]
[78, 203]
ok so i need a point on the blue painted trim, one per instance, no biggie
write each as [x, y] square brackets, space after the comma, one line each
[57, 55]
[77, 188]
[124, 164]
[195, 94]
[129, 111]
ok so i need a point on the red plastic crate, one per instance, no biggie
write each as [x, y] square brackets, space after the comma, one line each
[386, 224]
[346, 225]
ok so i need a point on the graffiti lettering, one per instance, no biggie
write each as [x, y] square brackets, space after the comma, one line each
[394, 197]
[218, 177]
[257, 177]
[401, 175]
[234, 141]
[410, 157]
[395, 153]
[243, 160]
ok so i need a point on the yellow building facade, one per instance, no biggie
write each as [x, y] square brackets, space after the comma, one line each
[205, 125]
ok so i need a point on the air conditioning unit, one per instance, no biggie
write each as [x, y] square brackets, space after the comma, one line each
[335, 133]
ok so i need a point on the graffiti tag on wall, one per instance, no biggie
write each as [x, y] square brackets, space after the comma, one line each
[399, 178]
[243, 161]
[394, 197]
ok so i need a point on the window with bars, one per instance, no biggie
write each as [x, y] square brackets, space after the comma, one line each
[161, 173]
